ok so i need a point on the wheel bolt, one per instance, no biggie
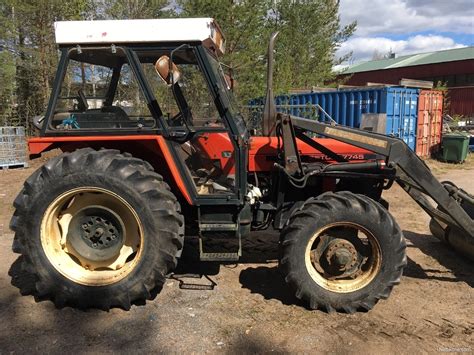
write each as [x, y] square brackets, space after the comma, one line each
[94, 245]
[113, 236]
[85, 226]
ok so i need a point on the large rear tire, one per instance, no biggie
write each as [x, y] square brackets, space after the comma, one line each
[342, 251]
[98, 229]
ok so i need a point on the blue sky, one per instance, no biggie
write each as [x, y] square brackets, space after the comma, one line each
[406, 26]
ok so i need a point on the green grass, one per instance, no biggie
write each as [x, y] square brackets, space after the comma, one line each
[439, 167]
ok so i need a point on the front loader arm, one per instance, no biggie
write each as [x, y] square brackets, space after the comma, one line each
[411, 172]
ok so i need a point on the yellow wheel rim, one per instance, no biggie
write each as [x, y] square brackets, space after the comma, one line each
[343, 257]
[92, 236]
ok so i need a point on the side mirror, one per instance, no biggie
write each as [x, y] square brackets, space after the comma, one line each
[167, 70]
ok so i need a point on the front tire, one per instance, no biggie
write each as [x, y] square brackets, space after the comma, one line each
[98, 229]
[342, 251]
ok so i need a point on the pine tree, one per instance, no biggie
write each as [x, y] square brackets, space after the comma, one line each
[243, 23]
[310, 34]
[132, 9]
[7, 65]
[30, 38]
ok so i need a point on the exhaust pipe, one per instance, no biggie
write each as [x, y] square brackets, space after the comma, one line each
[269, 111]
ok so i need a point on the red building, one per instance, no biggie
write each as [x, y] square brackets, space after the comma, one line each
[454, 68]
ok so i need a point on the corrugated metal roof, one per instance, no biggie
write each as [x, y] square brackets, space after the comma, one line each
[449, 55]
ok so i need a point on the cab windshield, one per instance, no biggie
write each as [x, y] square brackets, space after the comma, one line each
[225, 90]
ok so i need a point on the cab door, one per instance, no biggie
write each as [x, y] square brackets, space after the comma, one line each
[198, 136]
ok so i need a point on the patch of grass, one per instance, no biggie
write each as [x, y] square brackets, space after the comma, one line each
[439, 167]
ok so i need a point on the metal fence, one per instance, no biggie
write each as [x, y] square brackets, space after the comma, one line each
[13, 147]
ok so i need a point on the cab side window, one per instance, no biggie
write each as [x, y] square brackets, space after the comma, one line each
[100, 91]
[197, 94]
[89, 79]
[197, 103]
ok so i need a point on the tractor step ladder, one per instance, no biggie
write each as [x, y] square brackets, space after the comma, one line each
[222, 232]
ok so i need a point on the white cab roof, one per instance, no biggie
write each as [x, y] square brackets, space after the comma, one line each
[203, 30]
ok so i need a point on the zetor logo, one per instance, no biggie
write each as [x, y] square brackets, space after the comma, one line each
[345, 156]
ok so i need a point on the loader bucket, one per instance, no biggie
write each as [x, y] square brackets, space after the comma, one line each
[458, 239]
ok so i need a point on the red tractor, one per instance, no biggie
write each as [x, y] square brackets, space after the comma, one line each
[155, 149]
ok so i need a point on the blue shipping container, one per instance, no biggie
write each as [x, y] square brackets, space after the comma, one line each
[347, 106]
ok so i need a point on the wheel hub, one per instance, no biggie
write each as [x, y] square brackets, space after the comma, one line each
[341, 255]
[96, 233]
[336, 258]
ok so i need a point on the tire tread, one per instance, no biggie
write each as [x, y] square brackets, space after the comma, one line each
[315, 209]
[147, 183]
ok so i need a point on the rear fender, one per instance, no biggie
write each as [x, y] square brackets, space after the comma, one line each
[151, 148]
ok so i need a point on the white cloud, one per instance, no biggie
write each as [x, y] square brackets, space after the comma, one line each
[405, 16]
[363, 48]
[378, 20]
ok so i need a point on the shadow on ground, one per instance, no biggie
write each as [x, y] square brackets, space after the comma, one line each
[258, 248]
[458, 265]
[268, 282]
[27, 327]
[253, 344]
[265, 280]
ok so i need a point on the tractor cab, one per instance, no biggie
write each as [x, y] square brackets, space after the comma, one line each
[153, 77]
